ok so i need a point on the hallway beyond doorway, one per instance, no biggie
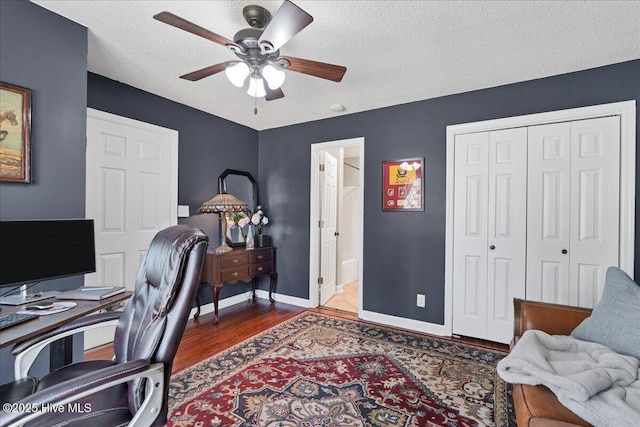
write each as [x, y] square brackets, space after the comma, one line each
[347, 300]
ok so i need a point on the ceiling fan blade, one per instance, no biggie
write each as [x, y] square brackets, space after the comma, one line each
[314, 68]
[288, 21]
[183, 24]
[207, 71]
[273, 94]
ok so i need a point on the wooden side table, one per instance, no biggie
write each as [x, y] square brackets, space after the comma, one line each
[239, 265]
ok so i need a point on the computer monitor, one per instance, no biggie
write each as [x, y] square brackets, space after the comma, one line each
[36, 250]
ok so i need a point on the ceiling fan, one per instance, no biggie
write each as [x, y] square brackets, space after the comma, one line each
[258, 50]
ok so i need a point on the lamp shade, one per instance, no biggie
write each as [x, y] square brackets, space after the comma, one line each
[223, 202]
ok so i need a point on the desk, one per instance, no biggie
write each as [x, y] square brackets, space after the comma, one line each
[239, 265]
[60, 354]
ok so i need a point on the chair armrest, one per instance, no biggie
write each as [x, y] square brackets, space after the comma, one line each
[554, 319]
[27, 351]
[87, 384]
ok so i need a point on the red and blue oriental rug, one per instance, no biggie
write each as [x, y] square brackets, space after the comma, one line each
[316, 370]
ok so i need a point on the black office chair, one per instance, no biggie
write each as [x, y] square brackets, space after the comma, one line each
[132, 389]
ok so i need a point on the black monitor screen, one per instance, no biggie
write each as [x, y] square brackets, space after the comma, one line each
[31, 251]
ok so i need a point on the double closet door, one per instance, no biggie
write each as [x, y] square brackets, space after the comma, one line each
[535, 216]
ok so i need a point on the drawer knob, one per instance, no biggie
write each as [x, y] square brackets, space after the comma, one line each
[236, 274]
[260, 268]
[235, 261]
[260, 256]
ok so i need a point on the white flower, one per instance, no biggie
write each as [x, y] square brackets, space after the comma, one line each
[265, 220]
[255, 218]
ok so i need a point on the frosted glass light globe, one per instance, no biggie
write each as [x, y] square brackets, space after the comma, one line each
[237, 73]
[273, 76]
[256, 87]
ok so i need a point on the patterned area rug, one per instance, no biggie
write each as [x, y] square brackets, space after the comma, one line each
[317, 370]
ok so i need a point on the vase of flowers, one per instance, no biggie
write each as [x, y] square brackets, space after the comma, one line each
[259, 220]
[249, 239]
[234, 226]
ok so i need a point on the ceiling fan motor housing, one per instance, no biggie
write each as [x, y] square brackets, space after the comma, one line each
[256, 16]
[252, 54]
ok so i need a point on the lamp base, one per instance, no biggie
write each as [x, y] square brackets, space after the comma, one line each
[223, 249]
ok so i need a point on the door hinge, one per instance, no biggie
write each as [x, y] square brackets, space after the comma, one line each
[321, 168]
[320, 224]
[320, 280]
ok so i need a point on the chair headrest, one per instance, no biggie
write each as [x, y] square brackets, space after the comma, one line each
[166, 252]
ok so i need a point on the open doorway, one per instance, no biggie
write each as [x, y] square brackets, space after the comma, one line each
[337, 193]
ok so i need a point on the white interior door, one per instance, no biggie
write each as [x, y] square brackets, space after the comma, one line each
[489, 232]
[470, 234]
[549, 190]
[507, 229]
[574, 199]
[595, 201]
[131, 193]
[329, 217]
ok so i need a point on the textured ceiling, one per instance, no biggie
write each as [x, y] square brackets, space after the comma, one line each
[395, 51]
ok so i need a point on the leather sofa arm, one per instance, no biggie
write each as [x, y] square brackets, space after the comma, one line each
[554, 319]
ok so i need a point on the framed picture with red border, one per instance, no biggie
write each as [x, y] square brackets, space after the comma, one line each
[402, 186]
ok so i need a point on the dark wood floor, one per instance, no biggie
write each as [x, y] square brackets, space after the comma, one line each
[203, 338]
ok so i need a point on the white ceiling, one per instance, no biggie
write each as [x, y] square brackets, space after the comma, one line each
[395, 51]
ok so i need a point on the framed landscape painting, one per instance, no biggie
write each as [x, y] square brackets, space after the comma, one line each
[15, 132]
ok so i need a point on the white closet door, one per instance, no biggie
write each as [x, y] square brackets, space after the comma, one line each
[470, 234]
[595, 201]
[507, 229]
[548, 217]
[573, 209]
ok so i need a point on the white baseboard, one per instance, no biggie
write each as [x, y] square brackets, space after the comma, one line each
[300, 302]
[370, 316]
[223, 303]
[245, 296]
[404, 323]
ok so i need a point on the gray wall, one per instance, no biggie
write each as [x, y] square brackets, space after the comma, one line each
[47, 54]
[207, 146]
[404, 251]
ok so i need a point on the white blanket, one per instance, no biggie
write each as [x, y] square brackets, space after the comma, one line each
[600, 386]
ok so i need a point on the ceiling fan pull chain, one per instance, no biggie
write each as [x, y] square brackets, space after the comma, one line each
[255, 104]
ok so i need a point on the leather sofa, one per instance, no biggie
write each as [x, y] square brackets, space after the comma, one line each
[537, 406]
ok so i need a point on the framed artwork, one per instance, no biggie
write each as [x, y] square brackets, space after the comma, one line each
[15, 133]
[402, 187]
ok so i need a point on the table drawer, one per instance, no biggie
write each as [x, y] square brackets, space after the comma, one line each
[234, 259]
[260, 255]
[260, 268]
[235, 273]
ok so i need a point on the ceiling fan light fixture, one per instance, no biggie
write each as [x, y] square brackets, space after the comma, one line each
[237, 73]
[273, 76]
[256, 87]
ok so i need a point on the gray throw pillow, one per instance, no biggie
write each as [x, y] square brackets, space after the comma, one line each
[615, 321]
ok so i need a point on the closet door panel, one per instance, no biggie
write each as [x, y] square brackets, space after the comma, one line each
[548, 212]
[595, 201]
[470, 235]
[507, 228]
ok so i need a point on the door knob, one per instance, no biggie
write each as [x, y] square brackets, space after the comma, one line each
[492, 247]
[564, 251]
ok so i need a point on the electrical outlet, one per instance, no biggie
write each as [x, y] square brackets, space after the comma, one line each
[420, 302]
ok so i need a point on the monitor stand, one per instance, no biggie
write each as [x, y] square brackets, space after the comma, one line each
[26, 298]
